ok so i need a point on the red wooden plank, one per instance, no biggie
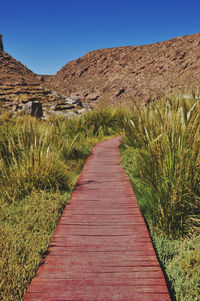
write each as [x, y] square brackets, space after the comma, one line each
[66, 230]
[59, 251]
[98, 271]
[134, 285]
[142, 274]
[57, 284]
[101, 249]
[99, 295]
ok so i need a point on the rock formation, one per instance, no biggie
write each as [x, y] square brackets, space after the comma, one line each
[20, 86]
[1, 43]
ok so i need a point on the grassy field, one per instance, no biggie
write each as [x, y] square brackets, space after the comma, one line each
[40, 162]
[39, 165]
[161, 155]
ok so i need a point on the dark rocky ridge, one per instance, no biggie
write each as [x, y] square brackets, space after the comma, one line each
[113, 75]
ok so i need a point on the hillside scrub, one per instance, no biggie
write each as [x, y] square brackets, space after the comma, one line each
[39, 165]
[160, 152]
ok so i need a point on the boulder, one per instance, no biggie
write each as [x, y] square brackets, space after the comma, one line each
[33, 109]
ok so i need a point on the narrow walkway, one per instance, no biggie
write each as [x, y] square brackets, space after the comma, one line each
[101, 249]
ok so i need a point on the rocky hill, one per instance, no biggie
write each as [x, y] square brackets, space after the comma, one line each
[114, 75]
[17, 81]
[105, 76]
[19, 86]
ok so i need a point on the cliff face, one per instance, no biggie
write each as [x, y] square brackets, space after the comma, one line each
[116, 74]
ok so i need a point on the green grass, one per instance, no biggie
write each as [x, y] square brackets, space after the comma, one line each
[181, 260]
[160, 152]
[165, 137]
[26, 228]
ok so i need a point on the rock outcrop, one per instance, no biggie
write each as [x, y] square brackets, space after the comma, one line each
[144, 72]
[20, 88]
[1, 43]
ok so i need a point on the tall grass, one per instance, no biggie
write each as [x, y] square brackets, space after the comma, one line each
[40, 162]
[161, 155]
[39, 165]
[32, 154]
[29, 160]
[165, 137]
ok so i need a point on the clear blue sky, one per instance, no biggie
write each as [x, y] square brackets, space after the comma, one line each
[45, 35]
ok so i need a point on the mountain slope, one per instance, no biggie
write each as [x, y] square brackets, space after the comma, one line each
[113, 75]
[19, 85]
[12, 71]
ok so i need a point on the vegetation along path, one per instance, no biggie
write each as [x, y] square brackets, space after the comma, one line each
[101, 248]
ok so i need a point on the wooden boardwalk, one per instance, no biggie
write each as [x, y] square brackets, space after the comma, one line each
[101, 249]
